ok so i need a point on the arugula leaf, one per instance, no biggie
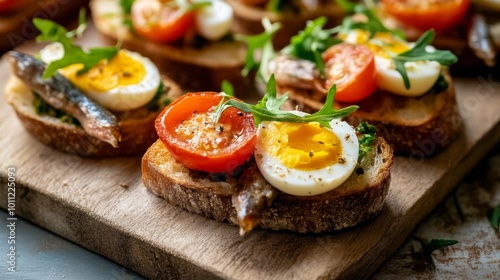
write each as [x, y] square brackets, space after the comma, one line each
[260, 42]
[365, 142]
[311, 42]
[51, 31]
[190, 5]
[433, 245]
[154, 105]
[494, 217]
[348, 6]
[372, 24]
[268, 109]
[227, 87]
[419, 53]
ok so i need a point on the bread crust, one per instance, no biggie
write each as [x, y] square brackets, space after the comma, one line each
[248, 19]
[194, 69]
[136, 126]
[417, 127]
[355, 201]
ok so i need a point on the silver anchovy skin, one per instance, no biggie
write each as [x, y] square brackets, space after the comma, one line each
[61, 94]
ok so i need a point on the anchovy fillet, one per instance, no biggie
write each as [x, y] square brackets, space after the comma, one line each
[61, 94]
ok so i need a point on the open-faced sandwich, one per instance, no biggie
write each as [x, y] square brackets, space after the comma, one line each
[290, 13]
[190, 41]
[401, 88]
[98, 102]
[459, 26]
[259, 166]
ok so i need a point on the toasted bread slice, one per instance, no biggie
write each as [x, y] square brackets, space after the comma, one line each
[136, 126]
[417, 127]
[194, 69]
[359, 198]
[247, 19]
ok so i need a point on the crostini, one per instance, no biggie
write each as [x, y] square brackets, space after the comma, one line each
[99, 102]
[258, 166]
[402, 88]
[190, 42]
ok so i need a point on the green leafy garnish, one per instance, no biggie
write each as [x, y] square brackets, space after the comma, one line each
[419, 53]
[227, 88]
[190, 5]
[367, 137]
[126, 6]
[372, 24]
[494, 217]
[51, 31]
[154, 104]
[274, 5]
[348, 6]
[440, 85]
[433, 245]
[268, 109]
[311, 42]
[261, 42]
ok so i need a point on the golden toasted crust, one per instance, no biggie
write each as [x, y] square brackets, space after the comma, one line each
[248, 19]
[136, 126]
[194, 69]
[356, 200]
[417, 127]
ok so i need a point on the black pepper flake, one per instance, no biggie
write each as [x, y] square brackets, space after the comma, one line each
[219, 129]
[321, 142]
[240, 113]
[341, 160]
[259, 156]
[127, 74]
[311, 153]
[279, 141]
[347, 136]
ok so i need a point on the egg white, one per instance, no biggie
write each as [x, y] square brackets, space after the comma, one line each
[214, 21]
[313, 182]
[122, 97]
[422, 75]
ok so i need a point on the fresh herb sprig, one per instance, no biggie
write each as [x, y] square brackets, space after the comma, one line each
[311, 42]
[268, 109]
[372, 24]
[419, 53]
[367, 132]
[433, 245]
[494, 217]
[51, 31]
[262, 42]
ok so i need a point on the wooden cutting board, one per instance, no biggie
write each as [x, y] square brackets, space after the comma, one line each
[102, 205]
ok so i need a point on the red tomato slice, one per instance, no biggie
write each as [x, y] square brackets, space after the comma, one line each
[159, 22]
[427, 14]
[352, 69]
[187, 130]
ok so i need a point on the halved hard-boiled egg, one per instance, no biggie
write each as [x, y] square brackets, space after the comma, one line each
[306, 159]
[128, 81]
[214, 21]
[422, 74]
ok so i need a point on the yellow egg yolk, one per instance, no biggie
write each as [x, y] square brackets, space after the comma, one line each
[121, 70]
[381, 44]
[307, 146]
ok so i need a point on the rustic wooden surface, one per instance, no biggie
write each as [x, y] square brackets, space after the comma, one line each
[102, 205]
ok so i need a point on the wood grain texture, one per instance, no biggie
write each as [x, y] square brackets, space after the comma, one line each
[85, 201]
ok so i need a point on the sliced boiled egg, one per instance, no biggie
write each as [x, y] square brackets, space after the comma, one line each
[306, 159]
[214, 21]
[422, 74]
[128, 81]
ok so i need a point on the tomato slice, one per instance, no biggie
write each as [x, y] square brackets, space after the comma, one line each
[186, 128]
[352, 69]
[159, 22]
[427, 14]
